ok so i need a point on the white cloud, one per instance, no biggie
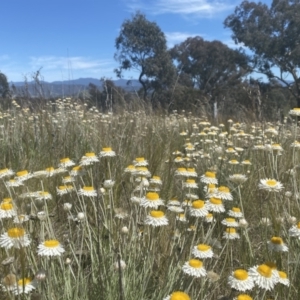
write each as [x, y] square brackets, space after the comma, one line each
[199, 8]
[66, 63]
[178, 37]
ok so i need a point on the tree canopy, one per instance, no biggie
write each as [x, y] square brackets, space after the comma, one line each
[142, 46]
[4, 86]
[273, 34]
[211, 66]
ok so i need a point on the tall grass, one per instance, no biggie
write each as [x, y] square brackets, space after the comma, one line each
[110, 253]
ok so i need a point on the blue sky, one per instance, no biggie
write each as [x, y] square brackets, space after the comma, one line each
[72, 39]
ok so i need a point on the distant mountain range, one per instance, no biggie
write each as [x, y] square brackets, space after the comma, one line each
[67, 87]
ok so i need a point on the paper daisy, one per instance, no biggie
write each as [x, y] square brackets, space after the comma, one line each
[175, 208]
[209, 177]
[107, 152]
[202, 251]
[88, 159]
[14, 183]
[87, 191]
[240, 280]
[130, 169]
[194, 267]
[235, 212]
[295, 112]
[191, 172]
[190, 184]
[151, 200]
[140, 162]
[50, 248]
[64, 189]
[270, 185]
[215, 205]
[142, 171]
[7, 210]
[181, 172]
[294, 231]
[155, 180]
[23, 175]
[224, 193]
[276, 244]
[15, 237]
[198, 209]
[6, 173]
[178, 296]
[156, 218]
[66, 162]
[283, 279]
[77, 171]
[42, 195]
[19, 219]
[24, 286]
[209, 218]
[264, 277]
[230, 234]
[181, 218]
[230, 222]
[238, 178]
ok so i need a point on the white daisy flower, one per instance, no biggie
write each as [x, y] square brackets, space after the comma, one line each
[50, 248]
[264, 277]
[14, 237]
[276, 244]
[156, 218]
[202, 251]
[240, 280]
[107, 152]
[270, 185]
[194, 267]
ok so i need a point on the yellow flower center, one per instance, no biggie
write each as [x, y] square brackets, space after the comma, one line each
[191, 169]
[276, 240]
[271, 182]
[240, 274]
[193, 227]
[152, 196]
[223, 189]
[190, 181]
[282, 274]
[64, 160]
[230, 150]
[181, 169]
[276, 145]
[43, 193]
[298, 225]
[3, 171]
[181, 216]
[180, 296]
[142, 168]
[209, 216]
[6, 206]
[51, 243]
[62, 187]
[296, 109]
[22, 173]
[90, 154]
[16, 232]
[157, 213]
[210, 174]
[230, 220]
[24, 281]
[244, 297]
[236, 209]
[50, 169]
[156, 177]
[203, 247]
[230, 230]
[77, 168]
[234, 161]
[140, 159]
[131, 167]
[195, 263]
[215, 201]
[198, 204]
[264, 271]
[88, 188]
[107, 149]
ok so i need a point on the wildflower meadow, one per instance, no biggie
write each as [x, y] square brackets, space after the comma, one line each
[144, 205]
